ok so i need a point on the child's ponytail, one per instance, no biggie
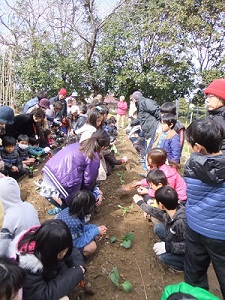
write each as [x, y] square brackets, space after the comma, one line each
[95, 143]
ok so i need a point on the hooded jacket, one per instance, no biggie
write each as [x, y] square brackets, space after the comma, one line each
[149, 116]
[205, 208]
[174, 180]
[70, 170]
[18, 215]
[58, 284]
[85, 132]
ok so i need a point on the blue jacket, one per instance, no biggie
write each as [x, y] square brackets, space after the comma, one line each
[172, 147]
[30, 103]
[70, 170]
[205, 208]
[82, 233]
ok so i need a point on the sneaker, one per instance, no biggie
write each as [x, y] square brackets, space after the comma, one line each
[39, 182]
[54, 211]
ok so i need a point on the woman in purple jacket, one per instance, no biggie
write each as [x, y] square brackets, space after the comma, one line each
[72, 169]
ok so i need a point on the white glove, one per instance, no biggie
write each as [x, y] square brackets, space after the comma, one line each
[137, 198]
[159, 248]
[47, 149]
[125, 159]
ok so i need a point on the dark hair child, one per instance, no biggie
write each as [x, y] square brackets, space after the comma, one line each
[82, 203]
[11, 279]
[51, 262]
[13, 166]
[170, 107]
[204, 174]
[171, 249]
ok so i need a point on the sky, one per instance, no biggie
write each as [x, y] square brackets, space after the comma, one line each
[106, 6]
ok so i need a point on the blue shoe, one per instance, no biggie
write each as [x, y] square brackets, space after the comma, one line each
[54, 211]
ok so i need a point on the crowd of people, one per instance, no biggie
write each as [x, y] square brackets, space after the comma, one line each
[46, 261]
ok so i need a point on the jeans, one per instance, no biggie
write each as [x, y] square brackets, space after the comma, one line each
[175, 261]
[200, 250]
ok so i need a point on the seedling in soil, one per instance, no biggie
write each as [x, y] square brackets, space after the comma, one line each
[126, 285]
[120, 175]
[127, 240]
[125, 209]
[112, 239]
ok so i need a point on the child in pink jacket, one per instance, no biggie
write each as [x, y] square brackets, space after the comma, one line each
[121, 111]
[157, 159]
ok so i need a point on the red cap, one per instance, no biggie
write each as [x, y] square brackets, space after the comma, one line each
[216, 88]
[62, 92]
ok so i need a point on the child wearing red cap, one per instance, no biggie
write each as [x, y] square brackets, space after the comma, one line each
[215, 102]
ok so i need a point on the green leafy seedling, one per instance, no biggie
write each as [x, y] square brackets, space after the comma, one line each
[127, 240]
[125, 209]
[112, 239]
[126, 285]
[120, 177]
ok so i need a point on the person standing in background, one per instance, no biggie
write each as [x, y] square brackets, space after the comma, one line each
[121, 112]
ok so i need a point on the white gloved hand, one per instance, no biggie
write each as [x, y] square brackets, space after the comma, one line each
[47, 149]
[159, 248]
[137, 198]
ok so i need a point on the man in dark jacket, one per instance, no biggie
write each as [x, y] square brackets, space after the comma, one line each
[148, 115]
[215, 102]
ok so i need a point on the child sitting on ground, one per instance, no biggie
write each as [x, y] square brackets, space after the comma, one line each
[157, 159]
[13, 166]
[82, 203]
[51, 143]
[171, 249]
[156, 179]
[34, 150]
[22, 148]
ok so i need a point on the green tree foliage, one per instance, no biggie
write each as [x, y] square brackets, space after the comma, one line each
[168, 49]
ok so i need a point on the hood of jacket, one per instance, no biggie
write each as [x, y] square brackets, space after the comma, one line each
[9, 192]
[208, 169]
[28, 262]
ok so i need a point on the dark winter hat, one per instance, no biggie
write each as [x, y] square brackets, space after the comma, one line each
[44, 103]
[62, 92]
[216, 88]
[6, 115]
[136, 95]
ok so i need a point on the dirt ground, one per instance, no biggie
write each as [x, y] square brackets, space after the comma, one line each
[138, 264]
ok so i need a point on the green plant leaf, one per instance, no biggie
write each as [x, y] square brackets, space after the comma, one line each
[112, 239]
[120, 206]
[116, 272]
[114, 279]
[127, 286]
[129, 236]
[126, 244]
